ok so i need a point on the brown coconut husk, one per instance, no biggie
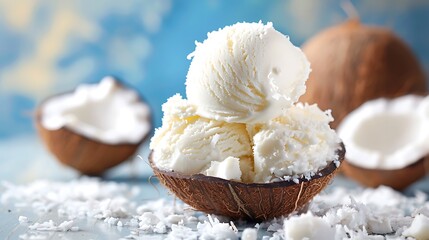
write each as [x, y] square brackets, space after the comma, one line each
[398, 179]
[251, 201]
[353, 63]
[88, 156]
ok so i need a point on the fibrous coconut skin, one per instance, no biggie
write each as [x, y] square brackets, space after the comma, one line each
[87, 155]
[398, 179]
[353, 63]
[252, 201]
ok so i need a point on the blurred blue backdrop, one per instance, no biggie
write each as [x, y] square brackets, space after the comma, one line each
[50, 46]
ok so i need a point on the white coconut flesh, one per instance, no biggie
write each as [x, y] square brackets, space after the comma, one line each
[106, 112]
[387, 134]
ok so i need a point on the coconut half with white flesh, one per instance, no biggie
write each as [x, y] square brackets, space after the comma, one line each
[387, 141]
[365, 63]
[95, 127]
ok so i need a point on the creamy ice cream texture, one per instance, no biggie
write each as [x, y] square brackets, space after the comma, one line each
[245, 73]
[189, 143]
[241, 120]
[294, 143]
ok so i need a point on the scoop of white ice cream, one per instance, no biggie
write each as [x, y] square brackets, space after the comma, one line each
[300, 142]
[246, 73]
[188, 143]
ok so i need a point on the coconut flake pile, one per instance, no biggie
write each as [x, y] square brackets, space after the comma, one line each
[378, 213]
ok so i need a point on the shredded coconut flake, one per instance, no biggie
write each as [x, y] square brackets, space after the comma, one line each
[214, 229]
[51, 226]
[419, 228]
[23, 219]
[380, 213]
[249, 234]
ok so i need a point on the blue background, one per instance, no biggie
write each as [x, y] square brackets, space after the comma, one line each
[47, 47]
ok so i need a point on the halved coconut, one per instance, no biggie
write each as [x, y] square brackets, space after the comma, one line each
[94, 127]
[387, 141]
[364, 63]
[252, 201]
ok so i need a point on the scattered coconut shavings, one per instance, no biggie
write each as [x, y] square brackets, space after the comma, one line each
[51, 226]
[160, 228]
[78, 198]
[214, 229]
[111, 221]
[419, 228]
[380, 213]
[359, 214]
[308, 226]
[249, 234]
[23, 219]
[337, 162]
[182, 232]
[307, 175]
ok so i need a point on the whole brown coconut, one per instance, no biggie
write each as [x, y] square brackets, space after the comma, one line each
[252, 201]
[353, 63]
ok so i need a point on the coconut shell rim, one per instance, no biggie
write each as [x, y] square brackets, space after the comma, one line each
[326, 171]
[398, 179]
[413, 164]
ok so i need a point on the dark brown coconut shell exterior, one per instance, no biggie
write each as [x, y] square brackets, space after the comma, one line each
[252, 201]
[88, 156]
[353, 63]
[398, 179]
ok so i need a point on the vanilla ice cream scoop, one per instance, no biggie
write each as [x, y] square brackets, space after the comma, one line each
[188, 143]
[240, 138]
[246, 73]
